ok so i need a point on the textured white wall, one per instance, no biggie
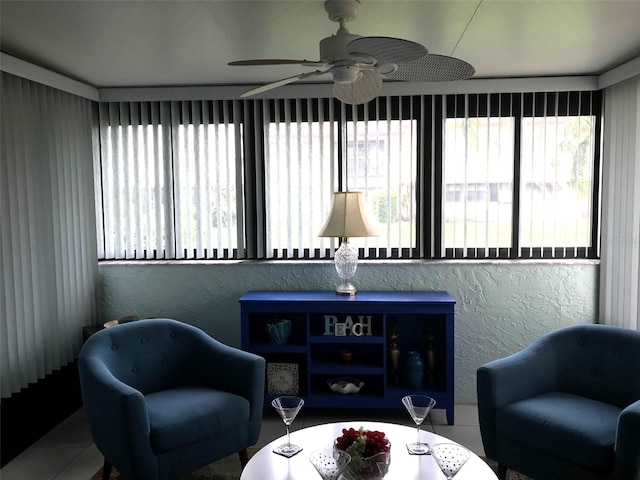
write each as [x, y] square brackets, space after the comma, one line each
[501, 306]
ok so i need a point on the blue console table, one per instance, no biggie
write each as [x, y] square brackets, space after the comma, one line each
[324, 324]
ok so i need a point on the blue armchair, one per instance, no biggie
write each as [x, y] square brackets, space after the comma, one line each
[163, 398]
[566, 407]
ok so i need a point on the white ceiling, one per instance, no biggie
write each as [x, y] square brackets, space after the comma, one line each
[175, 43]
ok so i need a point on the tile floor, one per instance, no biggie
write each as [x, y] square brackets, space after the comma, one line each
[67, 451]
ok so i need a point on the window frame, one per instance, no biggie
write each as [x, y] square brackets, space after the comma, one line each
[429, 112]
[519, 106]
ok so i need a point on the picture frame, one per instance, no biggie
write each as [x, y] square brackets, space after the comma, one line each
[283, 378]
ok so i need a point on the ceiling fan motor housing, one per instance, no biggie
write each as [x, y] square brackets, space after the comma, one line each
[334, 48]
[341, 9]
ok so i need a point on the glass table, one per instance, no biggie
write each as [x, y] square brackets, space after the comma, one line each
[266, 464]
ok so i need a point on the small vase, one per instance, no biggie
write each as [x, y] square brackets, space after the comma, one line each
[346, 355]
[414, 370]
[279, 331]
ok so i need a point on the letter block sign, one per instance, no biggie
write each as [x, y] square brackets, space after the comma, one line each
[361, 326]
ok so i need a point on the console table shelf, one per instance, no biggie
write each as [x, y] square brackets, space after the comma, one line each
[324, 324]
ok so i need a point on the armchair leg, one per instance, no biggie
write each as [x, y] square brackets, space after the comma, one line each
[244, 457]
[106, 470]
[502, 472]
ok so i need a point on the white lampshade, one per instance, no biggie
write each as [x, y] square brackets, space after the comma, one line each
[348, 217]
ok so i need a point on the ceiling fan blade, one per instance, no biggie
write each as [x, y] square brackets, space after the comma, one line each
[280, 83]
[360, 91]
[386, 49]
[432, 68]
[277, 61]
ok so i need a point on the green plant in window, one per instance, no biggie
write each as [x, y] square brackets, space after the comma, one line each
[386, 206]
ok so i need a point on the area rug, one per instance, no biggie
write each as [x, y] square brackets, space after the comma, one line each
[511, 475]
[229, 469]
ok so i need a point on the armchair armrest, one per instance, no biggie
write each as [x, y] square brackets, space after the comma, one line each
[530, 372]
[627, 447]
[116, 410]
[233, 370]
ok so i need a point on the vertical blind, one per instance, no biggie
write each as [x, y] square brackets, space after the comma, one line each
[444, 176]
[300, 175]
[557, 173]
[170, 180]
[478, 175]
[519, 175]
[48, 260]
[177, 179]
[315, 147]
[381, 161]
[620, 237]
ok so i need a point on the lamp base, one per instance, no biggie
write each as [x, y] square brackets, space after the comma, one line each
[346, 261]
[346, 288]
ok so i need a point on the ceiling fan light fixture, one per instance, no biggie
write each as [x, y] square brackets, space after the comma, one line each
[346, 74]
[361, 91]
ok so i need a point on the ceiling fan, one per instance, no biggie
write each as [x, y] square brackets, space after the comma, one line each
[358, 64]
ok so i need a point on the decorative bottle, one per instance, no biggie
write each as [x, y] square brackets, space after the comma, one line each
[394, 355]
[414, 370]
[430, 360]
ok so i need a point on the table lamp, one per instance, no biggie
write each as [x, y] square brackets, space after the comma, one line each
[347, 219]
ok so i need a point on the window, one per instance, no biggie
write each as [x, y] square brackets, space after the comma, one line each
[205, 186]
[304, 166]
[300, 176]
[478, 181]
[443, 176]
[519, 175]
[383, 166]
[134, 221]
[168, 181]
[556, 182]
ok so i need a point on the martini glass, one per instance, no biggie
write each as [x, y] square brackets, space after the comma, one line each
[418, 407]
[288, 407]
[330, 463]
[450, 457]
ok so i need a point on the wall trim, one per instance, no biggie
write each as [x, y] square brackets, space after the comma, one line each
[395, 262]
[619, 74]
[325, 90]
[30, 71]
[23, 69]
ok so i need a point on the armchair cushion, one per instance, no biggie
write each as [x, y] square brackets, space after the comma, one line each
[583, 430]
[185, 415]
